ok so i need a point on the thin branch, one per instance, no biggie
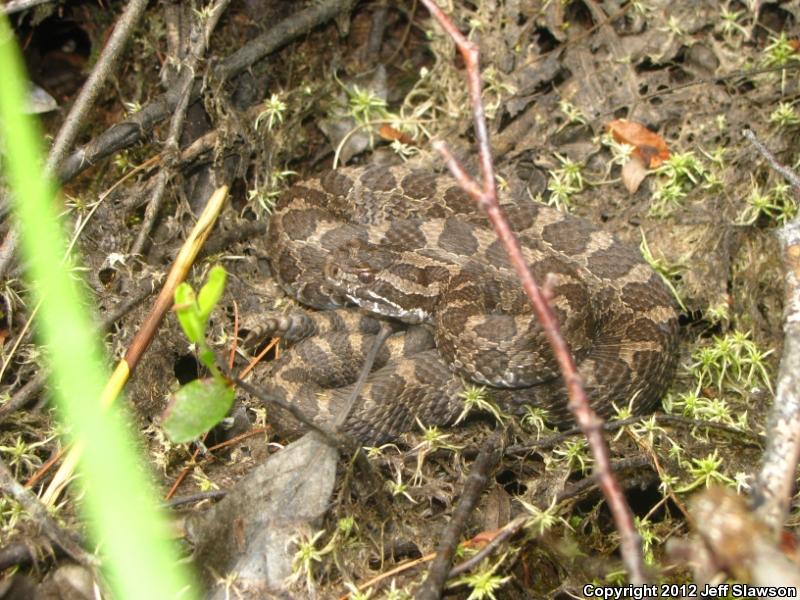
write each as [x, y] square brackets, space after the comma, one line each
[431, 588]
[335, 439]
[772, 493]
[125, 134]
[369, 361]
[508, 531]
[787, 173]
[28, 500]
[199, 36]
[13, 6]
[486, 198]
[83, 105]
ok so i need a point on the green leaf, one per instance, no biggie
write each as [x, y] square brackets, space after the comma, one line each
[196, 408]
[188, 314]
[211, 292]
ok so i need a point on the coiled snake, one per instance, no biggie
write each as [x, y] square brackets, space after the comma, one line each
[412, 246]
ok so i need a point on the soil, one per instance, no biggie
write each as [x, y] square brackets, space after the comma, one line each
[378, 84]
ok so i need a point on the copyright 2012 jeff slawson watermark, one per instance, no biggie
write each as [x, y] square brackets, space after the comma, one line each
[687, 590]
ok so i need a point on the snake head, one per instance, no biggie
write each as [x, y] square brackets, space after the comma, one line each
[363, 273]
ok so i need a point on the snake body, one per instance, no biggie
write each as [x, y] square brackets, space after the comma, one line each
[411, 246]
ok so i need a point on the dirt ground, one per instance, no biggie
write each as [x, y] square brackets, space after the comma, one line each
[377, 84]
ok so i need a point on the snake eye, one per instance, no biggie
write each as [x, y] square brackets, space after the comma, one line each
[366, 277]
[332, 271]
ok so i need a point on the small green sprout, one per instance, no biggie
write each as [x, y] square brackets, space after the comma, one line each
[542, 521]
[21, 456]
[399, 488]
[777, 205]
[667, 198]
[561, 190]
[620, 152]
[648, 429]
[303, 562]
[733, 358]
[200, 404]
[483, 583]
[536, 418]
[779, 52]
[729, 23]
[705, 472]
[649, 538]
[688, 404]
[204, 13]
[573, 452]
[572, 172]
[265, 196]
[203, 481]
[132, 107]
[274, 110]
[477, 398]
[718, 313]
[785, 116]
[404, 151]
[366, 106]
[495, 90]
[673, 26]
[356, 594]
[433, 439]
[683, 168]
[574, 114]
[346, 526]
[677, 175]
[11, 515]
[395, 593]
[624, 412]
[668, 483]
[675, 452]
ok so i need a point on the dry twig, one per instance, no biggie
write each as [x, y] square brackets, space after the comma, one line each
[200, 37]
[772, 492]
[478, 477]
[83, 104]
[485, 195]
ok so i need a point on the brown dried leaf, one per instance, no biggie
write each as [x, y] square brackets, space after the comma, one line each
[649, 146]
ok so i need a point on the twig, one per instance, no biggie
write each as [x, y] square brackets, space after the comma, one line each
[431, 588]
[787, 173]
[551, 441]
[772, 492]
[125, 134]
[83, 104]
[200, 36]
[13, 6]
[485, 196]
[35, 385]
[335, 439]
[144, 336]
[508, 531]
[28, 500]
[366, 369]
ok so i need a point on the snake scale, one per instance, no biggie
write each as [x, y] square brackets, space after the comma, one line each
[411, 247]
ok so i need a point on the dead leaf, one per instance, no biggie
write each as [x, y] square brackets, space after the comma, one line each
[483, 538]
[648, 146]
[390, 134]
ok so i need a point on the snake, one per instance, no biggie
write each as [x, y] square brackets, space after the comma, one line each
[408, 248]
